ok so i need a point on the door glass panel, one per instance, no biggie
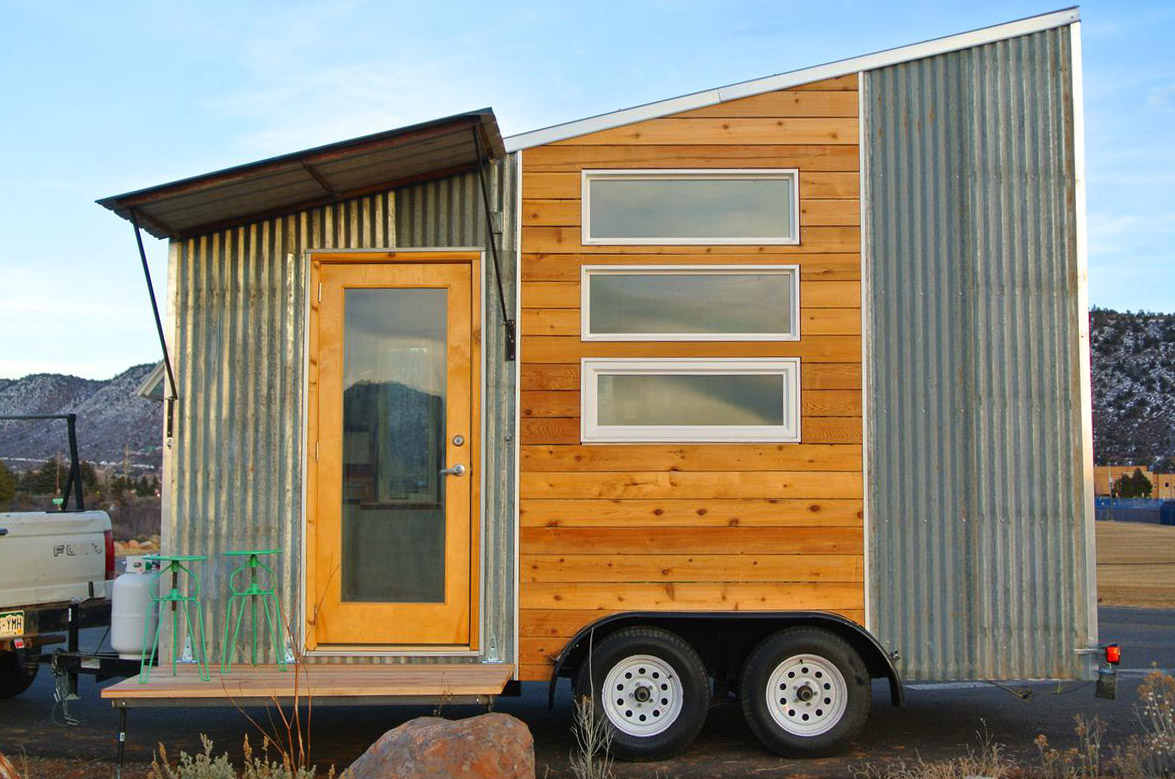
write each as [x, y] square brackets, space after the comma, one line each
[393, 512]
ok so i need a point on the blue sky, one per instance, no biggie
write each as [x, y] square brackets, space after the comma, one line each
[103, 98]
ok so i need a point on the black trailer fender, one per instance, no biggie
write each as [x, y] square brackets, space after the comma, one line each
[713, 632]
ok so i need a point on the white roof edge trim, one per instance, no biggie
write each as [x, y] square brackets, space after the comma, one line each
[880, 59]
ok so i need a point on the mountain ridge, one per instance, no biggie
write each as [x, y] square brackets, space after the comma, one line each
[1133, 355]
[1133, 361]
[114, 424]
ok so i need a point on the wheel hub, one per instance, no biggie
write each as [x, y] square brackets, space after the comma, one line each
[642, 695]
[806, 695]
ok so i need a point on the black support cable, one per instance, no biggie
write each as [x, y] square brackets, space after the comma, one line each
[485, 199]
[154, 305]
[169, 401]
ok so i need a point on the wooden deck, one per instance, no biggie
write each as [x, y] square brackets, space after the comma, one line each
[319, 684]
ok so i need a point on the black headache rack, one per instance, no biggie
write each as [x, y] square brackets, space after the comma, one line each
[74, 482]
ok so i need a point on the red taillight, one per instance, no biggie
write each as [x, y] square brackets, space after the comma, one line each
[1113, 654]
[109, 534]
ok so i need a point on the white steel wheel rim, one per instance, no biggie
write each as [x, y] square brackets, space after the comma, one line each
[807, 695]
[642, 695]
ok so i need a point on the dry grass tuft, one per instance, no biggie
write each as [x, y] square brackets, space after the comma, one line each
[987, 760]
[1149, 754]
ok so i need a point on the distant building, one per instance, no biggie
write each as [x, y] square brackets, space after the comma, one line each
[1104, 477]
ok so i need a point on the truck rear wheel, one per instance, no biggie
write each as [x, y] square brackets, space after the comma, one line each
[18, 668]
[651, 687]
[805, 692]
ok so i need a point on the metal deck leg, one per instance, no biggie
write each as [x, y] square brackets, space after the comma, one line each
[121, 748]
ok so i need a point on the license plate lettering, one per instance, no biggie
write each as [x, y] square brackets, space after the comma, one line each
[11, 624]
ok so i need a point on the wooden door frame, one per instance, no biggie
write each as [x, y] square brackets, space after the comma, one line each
[474, 257]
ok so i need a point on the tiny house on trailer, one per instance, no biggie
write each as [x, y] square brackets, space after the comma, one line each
[762, 391]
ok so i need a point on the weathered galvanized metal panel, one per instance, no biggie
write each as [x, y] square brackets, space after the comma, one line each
[450, 212]
[239, 313]
[976, 503]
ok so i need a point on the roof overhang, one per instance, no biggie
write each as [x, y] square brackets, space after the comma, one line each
[314, 177]
[881, 59]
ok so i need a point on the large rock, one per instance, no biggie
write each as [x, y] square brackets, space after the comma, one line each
[8, 770]
[495, 746]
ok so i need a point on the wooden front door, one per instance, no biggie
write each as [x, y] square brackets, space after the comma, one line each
[392, 452]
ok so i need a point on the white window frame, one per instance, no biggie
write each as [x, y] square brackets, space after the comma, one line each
[592, 432]
[689, 173]
[587, 271]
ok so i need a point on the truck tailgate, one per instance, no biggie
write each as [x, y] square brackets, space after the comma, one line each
[50, 557]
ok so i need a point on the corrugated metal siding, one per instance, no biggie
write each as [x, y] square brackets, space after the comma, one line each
[975, 484]
[239, 311]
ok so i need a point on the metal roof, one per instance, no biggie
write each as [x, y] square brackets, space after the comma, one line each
[311, 178]
[793, 78]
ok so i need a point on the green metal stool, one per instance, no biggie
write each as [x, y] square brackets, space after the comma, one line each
[266, 592]
[186, 599]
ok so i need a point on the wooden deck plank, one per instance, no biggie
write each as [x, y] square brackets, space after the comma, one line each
[317, 681]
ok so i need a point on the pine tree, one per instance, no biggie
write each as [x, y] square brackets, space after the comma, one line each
[7, 486]
[1142, 485]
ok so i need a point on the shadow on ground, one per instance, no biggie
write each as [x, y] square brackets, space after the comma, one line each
[938, 721]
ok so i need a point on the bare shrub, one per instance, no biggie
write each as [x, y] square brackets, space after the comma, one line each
[1151, 754]
[593, 736]
[200, 766]
[1081, 762]
[204, 766]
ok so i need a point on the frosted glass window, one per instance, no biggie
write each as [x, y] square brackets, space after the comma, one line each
[682, 303]
[699, 206]
[690, 400]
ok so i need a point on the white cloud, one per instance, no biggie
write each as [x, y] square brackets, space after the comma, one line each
[1163, 98]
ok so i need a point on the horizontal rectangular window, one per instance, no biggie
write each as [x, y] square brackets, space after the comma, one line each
[690, 206]
[690, 303]
[690, 400]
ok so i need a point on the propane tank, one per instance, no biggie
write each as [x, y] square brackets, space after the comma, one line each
[131, 606]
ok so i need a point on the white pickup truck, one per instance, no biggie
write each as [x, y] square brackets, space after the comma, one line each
[48, 562]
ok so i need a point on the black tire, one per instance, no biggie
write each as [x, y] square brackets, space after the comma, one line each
[18, 668]
[819, 687]
[647, 665]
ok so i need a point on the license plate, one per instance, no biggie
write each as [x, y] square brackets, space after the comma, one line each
[11, 624]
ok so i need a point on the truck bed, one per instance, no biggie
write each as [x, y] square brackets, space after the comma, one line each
[52, 557]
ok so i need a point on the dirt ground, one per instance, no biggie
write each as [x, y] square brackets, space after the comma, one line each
[1136, 565]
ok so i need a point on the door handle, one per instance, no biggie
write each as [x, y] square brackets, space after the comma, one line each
[456, 470]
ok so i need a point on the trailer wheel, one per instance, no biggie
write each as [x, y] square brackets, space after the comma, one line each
[652, 688]
[18, 668]
[805, 692]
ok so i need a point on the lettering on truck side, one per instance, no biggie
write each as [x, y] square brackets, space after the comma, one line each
[69, 551]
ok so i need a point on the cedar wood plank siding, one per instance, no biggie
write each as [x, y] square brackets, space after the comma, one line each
[620, 527]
